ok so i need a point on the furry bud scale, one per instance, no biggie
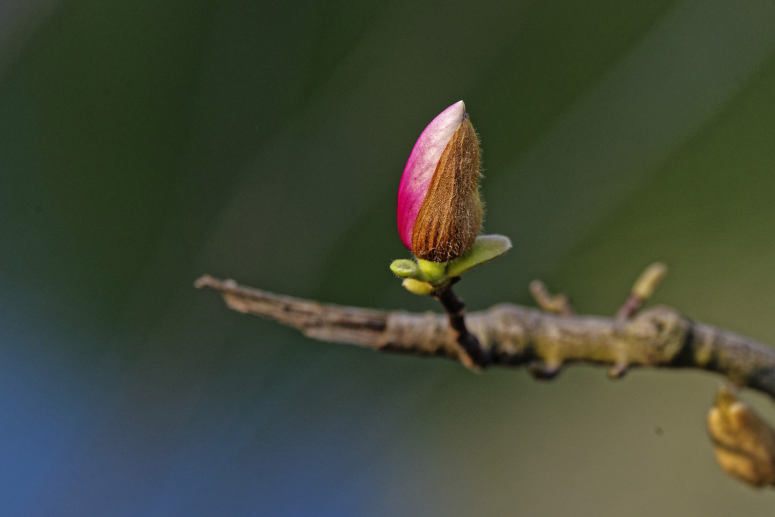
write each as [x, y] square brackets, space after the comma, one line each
[439, 208]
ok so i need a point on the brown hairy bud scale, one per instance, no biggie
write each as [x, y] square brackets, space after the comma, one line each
[451, 213]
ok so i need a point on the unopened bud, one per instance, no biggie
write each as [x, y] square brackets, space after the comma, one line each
[404, 268]
[417, 286]
[743, 442]
[439, 209]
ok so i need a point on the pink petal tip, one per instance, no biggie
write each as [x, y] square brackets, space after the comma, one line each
[421, 165]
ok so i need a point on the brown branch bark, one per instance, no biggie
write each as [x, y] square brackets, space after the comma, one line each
[513, 335]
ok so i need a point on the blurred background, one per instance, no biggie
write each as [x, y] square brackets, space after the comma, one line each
[145, 143]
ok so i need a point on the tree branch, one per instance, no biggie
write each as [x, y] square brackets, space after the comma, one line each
[513, 335]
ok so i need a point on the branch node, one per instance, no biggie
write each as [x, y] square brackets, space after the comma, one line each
[469, 362]
[618, 370]
[544, 371]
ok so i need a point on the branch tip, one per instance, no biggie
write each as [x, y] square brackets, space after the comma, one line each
[203, 281]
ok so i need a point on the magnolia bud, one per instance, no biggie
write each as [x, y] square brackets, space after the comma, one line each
[439, 209]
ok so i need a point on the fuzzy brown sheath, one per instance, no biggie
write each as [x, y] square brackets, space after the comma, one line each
[451, 213]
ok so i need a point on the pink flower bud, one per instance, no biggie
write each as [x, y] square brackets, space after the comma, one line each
[439, 210]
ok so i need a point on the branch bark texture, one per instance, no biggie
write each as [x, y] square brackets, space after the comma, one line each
[514, 335]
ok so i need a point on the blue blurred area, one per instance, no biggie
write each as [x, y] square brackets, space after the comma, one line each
[144, 144]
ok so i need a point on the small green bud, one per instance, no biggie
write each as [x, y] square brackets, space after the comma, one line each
[417, 286]
[433, 272]
[649, 280]
[404, 268]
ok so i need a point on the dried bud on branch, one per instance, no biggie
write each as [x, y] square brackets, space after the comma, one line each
[743, 442]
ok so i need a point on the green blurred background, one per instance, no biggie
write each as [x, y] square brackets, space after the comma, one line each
[144, 143]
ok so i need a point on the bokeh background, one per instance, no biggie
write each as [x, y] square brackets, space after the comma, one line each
[144, 143]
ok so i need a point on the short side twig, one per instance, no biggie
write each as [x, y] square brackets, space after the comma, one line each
[644, 287]
[473, 355]
[554, 303]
